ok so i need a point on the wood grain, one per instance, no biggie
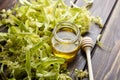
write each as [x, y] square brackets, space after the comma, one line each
[6, 4]
[68, 2]
[106, 63]
[99, 8]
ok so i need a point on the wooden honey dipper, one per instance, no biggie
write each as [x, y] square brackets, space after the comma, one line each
[87, 45]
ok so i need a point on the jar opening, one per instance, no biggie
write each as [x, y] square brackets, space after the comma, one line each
[66, 32]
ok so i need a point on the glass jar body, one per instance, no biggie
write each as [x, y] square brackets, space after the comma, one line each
[66, 40]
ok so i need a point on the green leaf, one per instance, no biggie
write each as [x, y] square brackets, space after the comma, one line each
[28, 64]
[97, 21]
[19, 23]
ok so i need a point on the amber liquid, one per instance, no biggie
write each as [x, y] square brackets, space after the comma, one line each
[65, 50]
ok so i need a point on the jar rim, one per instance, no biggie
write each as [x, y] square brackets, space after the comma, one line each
[66, 41]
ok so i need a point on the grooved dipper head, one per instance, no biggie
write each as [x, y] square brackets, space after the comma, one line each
[86, 42]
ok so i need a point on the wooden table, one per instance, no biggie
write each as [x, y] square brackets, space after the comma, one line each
[106, 61]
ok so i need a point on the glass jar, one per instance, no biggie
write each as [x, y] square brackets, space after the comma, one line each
[66, 40]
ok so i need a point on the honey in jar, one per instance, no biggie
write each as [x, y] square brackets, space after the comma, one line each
[66, 40]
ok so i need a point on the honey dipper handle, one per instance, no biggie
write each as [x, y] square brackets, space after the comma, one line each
[88, 50]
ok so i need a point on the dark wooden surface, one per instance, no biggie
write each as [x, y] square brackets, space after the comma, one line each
[100, 8]
[5, 4]
[106, 62]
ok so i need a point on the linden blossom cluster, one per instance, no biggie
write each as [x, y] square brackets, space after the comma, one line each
[25, 51]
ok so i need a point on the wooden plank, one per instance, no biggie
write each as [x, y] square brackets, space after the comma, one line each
[99, 8]
[68, 2]
[5, 4]
[106, 63]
